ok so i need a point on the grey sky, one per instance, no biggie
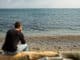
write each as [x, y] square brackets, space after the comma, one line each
[39, 3]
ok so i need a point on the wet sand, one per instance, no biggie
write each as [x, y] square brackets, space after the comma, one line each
[50, 43]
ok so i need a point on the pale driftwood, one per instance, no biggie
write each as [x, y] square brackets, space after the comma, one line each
[74, 55]
[31, 55]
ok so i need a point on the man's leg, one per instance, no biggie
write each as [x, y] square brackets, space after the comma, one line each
[22, 47]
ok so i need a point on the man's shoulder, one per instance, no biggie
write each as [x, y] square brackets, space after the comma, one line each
[11, 30]
[14, 31]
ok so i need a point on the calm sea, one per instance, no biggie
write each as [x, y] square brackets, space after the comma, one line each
[42, 21]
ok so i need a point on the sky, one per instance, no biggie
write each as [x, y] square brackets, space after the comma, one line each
[39, 3]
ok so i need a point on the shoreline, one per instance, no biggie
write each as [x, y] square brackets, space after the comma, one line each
[54, 37]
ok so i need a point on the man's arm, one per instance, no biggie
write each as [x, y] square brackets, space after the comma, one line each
[21, 36]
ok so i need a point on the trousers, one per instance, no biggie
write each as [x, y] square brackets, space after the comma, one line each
[20, 48]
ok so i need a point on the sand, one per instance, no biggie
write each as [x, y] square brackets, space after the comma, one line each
[50, 43]
[59, 43]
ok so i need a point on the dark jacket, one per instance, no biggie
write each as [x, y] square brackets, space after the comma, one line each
[12, 39]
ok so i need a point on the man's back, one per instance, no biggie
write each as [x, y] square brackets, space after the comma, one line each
[12, 39]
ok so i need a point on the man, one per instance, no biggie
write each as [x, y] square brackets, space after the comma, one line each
[13, 37]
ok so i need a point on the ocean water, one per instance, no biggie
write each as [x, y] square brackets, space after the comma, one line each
[42, 21]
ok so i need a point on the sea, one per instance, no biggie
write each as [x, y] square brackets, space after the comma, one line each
[42, 21]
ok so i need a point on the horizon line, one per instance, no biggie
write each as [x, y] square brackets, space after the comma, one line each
[39, 8]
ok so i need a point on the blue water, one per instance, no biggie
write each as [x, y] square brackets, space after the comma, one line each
[42, 21]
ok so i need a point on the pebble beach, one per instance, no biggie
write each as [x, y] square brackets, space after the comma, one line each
[59, 43]
[50, 43]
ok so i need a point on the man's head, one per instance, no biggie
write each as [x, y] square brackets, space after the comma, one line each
[18, 25]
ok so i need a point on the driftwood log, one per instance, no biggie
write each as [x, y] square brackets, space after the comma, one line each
[30, 55]
[73, 55]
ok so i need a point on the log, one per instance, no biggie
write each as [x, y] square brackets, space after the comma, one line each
[74, 55]
[29, 55]
[19, 56]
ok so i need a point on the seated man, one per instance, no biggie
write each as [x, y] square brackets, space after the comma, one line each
[13, 37]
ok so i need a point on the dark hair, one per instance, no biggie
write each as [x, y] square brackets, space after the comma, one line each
[17, 24]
